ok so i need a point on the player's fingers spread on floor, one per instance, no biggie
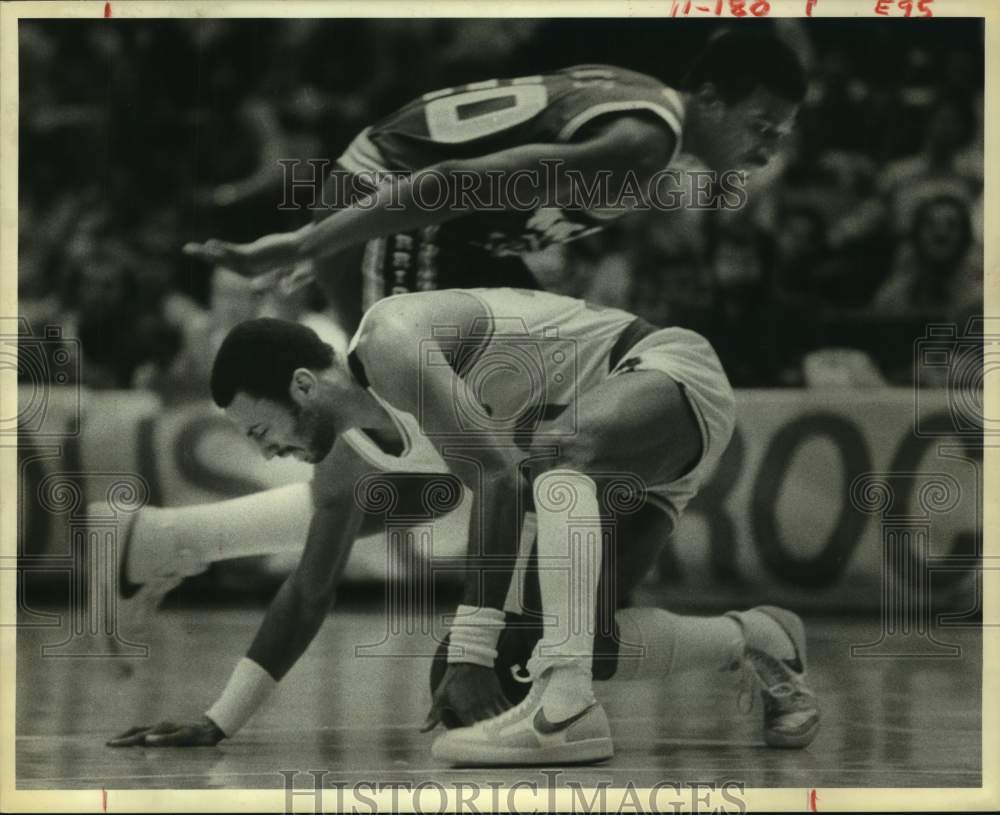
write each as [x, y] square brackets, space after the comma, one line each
[432, 720]
[179, 736]
[131, 737]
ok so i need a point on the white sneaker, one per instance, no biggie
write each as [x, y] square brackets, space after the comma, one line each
[524, 735]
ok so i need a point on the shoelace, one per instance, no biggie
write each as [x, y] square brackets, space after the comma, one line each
[771, 677]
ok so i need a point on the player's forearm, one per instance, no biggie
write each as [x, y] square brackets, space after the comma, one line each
[398, 205]
[442, 192]
[294, 616]
[290, 624]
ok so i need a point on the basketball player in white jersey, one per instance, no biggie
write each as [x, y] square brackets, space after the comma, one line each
[602, 417]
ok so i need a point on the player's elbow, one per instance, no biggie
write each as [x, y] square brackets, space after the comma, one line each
[631, 143]
[435, 186]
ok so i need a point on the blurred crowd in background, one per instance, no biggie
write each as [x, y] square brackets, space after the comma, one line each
[138, 136]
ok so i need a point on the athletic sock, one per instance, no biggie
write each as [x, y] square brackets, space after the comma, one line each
[264, 523]
[569, 690]
[764, 634]
[569, 567]
[675, 644]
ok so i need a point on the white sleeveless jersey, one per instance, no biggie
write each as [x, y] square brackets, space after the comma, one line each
[537, 352]
[527, 363]
[419, 455]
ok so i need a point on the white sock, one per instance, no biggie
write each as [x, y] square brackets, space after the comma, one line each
[569, 567]
[764, 634]
[675, 644]
[569, 690]
[178, 539]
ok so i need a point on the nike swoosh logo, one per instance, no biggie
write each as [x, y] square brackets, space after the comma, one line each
[544, 726]
[794, 664]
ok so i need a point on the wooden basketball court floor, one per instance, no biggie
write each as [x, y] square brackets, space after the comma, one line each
[887, 722]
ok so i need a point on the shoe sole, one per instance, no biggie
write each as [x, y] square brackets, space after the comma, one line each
[793, 741]
[472, 754]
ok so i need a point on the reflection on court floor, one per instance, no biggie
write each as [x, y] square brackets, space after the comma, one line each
[886, 722]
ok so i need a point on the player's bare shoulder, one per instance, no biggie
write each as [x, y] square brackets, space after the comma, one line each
[394, 321]
[397, 332]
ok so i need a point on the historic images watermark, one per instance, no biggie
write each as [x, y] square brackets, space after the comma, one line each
[317, 184]
[546, 791]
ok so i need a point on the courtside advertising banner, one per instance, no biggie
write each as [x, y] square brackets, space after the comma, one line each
[824, 497]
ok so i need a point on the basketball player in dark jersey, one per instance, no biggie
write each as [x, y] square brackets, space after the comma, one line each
[494, 171]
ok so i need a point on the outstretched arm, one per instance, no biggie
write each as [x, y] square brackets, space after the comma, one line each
[303, 601]
[627, 144]
[291, 623]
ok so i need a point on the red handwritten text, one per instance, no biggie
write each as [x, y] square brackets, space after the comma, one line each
[904, 8]
[737, 8]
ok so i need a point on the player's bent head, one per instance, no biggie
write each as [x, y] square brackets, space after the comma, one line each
[745, 88]
[268, 376]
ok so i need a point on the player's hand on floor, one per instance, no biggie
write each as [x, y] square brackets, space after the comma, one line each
[467, 694]
[269, 253]
[204, 733]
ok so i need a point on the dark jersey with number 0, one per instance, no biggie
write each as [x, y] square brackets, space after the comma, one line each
[482, 118]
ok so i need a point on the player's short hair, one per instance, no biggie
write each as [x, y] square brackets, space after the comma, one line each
[737, 62]
[258, 357]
